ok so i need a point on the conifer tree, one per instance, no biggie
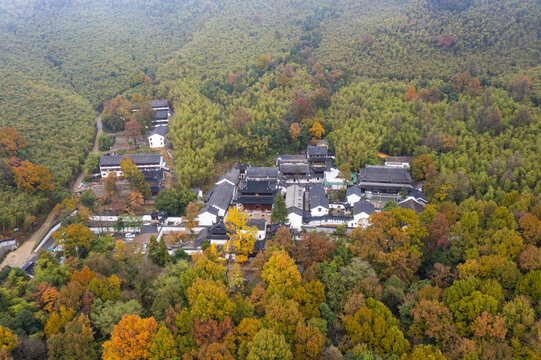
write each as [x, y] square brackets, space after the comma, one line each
[153, 249]
[279, 210]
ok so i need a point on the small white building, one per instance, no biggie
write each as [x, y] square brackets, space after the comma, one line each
[145, 163]
[319, 204]
[398, 161]
[295, 204]
[361, 212]
[353, 195]
[157, 138]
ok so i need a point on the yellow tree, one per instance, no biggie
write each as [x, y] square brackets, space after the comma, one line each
[131, 339]
[317, 131]
[192, 211]
[295, 131]
[73, 238]
[241, 237]
[136, 200]
[7, 340]
[280, 274]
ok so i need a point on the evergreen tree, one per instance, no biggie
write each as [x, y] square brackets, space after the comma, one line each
[163, 253]
[153, 249]
[279, 210]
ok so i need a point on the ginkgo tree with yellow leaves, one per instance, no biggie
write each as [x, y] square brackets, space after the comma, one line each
[241, 237]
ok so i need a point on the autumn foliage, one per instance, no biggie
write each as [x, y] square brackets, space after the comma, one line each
[131, 339]
[32, 178]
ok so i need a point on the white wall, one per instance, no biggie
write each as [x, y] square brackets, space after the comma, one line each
[319, 211]
[156, 141]
[295, 221]
[353, 199]
[207, 219]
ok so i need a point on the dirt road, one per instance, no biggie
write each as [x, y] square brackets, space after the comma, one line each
[23, 253]
[95, 149]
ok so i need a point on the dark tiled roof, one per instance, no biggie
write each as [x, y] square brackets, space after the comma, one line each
[294, 169]
[318, 197]
[149, 229]
[290, 159]
[363, 206]
[262, 172]
[161, 115]
[317, 150]
[160, 130]
[295, 210]
[232, 176]
[155, 176]
[412, 204]
[354, 190]
[218, 231]
[260, 224]
[260, 245]
[221, 196]
[257, 187]
[417, 194]
[242, 167]
[159, 103]
[252, 199]
[150, 159]
[384, 174]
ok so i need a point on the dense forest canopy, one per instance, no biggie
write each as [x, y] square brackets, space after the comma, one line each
[454, 83]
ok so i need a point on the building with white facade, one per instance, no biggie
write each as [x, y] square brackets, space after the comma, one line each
[157, 138]
[145, 163]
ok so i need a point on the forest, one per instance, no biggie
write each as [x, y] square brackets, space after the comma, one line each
[454, 84]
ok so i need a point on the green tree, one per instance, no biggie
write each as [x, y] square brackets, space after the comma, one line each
[76, 341]
[88, 199]
[153, 249]
[105, 315]
[167, 200]
[74, 238]
[279, 210]
[266, 345]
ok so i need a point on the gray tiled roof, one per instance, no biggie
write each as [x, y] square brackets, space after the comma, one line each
[262, 172]
[160, 130]
[161, 115]
[159, 103]
[412, 204]
[317, 150]
[294, 197]
[354, 190]
[232, 176]
[290, 159]
[363, 206]
[384, 174]
[299, 168]
[318, 197]
[295, 210]
[147, 159]
[417, 194]
[257, 187]
[221, 196]
[260, 224]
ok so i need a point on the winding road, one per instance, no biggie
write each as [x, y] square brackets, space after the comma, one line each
[23, 254]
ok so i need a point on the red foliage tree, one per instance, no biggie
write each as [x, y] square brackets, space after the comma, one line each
[314, 248]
